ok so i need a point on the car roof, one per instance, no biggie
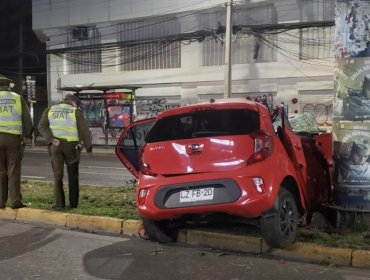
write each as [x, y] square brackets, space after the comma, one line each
[213, 104]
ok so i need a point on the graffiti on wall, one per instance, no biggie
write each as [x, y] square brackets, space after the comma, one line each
[321, 112]
[266, 99]
[148, 107]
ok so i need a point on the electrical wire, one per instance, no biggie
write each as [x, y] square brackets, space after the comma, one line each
[161, 43]
[152, 18]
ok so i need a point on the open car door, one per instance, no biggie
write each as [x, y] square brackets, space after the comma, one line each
[130, 142]
[293, 145]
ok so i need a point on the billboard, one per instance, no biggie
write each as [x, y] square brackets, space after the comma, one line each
[351, 108]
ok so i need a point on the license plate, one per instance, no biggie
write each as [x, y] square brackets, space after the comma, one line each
[196, 195]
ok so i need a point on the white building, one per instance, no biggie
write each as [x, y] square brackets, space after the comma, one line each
[143, 42]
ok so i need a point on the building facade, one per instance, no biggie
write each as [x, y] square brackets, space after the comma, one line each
[282, 50]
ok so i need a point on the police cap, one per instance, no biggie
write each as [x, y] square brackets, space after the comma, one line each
[72, 97]
[4, 80]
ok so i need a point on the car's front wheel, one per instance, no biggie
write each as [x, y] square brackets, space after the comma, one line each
[280, 228]
[160, 231]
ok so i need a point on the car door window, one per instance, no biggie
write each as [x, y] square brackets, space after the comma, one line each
[131, 141]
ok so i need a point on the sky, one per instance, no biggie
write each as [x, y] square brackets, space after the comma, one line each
[16, 15]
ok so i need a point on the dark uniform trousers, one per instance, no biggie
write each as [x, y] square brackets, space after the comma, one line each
[10, 169]
[67, 154]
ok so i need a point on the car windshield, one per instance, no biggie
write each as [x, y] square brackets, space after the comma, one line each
[203, 124]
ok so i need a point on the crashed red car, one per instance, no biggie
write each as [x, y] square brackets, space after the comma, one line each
[225, 158]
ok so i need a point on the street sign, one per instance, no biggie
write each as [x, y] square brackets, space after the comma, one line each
[31, 87]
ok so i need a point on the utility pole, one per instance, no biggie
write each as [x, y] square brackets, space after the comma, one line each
[20, 59]
[228, 63]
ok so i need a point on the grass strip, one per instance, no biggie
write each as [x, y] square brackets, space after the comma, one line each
[119, 202]
[336, 238]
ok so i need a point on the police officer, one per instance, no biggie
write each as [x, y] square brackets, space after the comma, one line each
[64, 127]
[15, 130]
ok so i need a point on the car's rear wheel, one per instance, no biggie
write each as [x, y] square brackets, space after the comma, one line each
[279, 229]
[160, 231]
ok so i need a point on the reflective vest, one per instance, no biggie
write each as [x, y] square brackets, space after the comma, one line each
[63, 122]
[10, 113]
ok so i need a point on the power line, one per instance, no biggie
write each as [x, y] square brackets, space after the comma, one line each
[165, 42]
[71, 52]
[153, 22]
[157, 16]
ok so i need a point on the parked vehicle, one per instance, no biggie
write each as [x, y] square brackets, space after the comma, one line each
[227, 157]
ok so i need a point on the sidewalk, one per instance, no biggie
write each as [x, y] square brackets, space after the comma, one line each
[300, 251]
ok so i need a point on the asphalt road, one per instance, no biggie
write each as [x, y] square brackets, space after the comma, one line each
[100, 170]
[35, 251]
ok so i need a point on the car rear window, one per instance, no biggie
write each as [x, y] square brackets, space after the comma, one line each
[203, 124]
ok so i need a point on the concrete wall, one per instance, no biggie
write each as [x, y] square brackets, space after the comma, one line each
[56, 13]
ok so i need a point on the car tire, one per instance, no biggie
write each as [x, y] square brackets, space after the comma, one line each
[279, 229]
[160, 231]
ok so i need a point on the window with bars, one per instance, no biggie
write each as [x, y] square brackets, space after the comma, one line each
[324, 9]
[317, 42]
[145, 46]
[246, 48]
[317, 10]
[88, 58]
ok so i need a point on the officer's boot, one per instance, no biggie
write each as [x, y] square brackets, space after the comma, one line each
[73, 182]
[59, 195]
[3, 189]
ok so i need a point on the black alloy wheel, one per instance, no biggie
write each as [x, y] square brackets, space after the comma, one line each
[280, 229]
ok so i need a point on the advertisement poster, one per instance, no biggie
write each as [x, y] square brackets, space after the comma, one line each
[94, 112]
[352, 153]
[351, 109]
[107, 114]
[119, 116]
[352, 89]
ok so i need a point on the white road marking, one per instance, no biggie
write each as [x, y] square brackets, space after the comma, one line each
[351, 277]
[33, 177]
[102, 167]
[97, 173]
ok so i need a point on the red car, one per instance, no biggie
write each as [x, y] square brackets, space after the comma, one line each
[225, 158]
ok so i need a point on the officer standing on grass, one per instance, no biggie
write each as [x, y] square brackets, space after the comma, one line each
[64, 127]
[16, 130]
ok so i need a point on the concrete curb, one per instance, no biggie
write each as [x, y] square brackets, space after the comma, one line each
[300, 251]
[233, 242]
[74, 221]
[361, 258]
[223, 241]
[316, 253]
